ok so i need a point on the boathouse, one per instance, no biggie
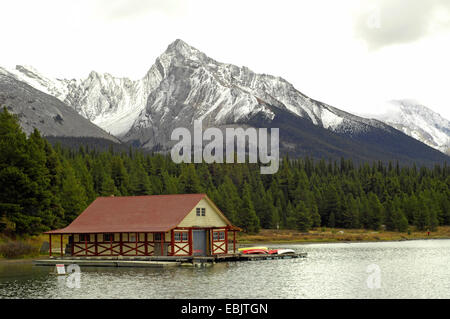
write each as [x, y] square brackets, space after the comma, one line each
[156, 225]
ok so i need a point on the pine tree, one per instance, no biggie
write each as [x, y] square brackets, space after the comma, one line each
[120, 176]
[73, 197]
[375, 213]
[139, 180]
[247, 216]
[189, 182]
[303, 218]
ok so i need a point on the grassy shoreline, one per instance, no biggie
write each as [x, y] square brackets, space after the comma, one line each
[336, 235]
[33, 244]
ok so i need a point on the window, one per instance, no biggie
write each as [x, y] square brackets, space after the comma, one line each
[132, 237]
[201, 211]
[157, 237]
[108, 237]
[181, 236]
[84, 238]
[218, 235]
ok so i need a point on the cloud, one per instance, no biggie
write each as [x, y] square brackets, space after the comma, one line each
[387, 22]
[123, 9]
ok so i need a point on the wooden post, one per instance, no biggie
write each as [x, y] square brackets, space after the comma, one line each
[136, 241]
[226, 240]
[62, 245]
[121, 248]
[146, 244]
[96, 248]
[73, 244]
[110, 242]
[162, 243]
[211, 235]
[85, 243]
[234, 241]
[190, 242]
[50, 244]
[172, 242]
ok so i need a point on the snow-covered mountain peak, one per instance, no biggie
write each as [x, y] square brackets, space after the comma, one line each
[182, 48]
[418, 121]
[182, 85]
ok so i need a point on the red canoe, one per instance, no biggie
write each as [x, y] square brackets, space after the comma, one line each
[255, 251]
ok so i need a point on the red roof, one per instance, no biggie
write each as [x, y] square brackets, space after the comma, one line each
[155, 213]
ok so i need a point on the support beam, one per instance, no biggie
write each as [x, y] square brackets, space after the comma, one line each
[62, 255]
[172, 242]
[72, 243]
[234, 241]
[190, 242]
[226, 240]
[121, 245]
[146, 244]
[96, 246]
[50, 244]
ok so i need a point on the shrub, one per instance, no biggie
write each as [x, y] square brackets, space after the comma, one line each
[14, 249]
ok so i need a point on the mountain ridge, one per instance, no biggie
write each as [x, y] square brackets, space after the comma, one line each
[418, 121]
[184, 85]
[37, 109]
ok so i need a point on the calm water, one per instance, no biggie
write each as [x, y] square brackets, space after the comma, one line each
[413, 269]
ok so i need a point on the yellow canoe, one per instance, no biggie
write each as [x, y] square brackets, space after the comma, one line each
[247, 248]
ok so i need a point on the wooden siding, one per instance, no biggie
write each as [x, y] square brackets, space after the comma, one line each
[212, 217]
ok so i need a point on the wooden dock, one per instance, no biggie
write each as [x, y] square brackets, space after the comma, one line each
[158, 261]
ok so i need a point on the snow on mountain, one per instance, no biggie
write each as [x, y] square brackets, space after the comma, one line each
[417, 121]
[38, 109]
[194, 86]
[183, 85]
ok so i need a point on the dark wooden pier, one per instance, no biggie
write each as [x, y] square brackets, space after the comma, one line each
[159, 261]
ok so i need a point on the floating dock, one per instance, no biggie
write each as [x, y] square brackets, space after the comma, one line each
[158, 261]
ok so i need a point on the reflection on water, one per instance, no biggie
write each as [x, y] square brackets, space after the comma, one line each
[412, 269]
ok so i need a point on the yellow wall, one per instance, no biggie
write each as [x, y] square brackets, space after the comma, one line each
[211, 219]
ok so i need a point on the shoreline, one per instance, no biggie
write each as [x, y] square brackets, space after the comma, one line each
[333, 235]
[293, 242]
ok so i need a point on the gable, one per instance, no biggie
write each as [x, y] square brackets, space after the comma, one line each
[213, 217]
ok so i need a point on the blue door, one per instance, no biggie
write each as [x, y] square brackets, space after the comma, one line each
[199, 242]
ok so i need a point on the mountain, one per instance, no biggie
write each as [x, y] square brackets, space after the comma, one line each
[418, 121]
[184, 85]
[37, 109]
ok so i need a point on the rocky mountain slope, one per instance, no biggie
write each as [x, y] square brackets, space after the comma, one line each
[184, 85]
[417, 121]
[36, 109]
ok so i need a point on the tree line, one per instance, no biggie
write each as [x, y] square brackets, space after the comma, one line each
[44, 187]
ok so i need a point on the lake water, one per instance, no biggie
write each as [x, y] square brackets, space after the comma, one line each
[408, 269]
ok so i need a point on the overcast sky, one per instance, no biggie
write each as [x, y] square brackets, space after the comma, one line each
[352, 54]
